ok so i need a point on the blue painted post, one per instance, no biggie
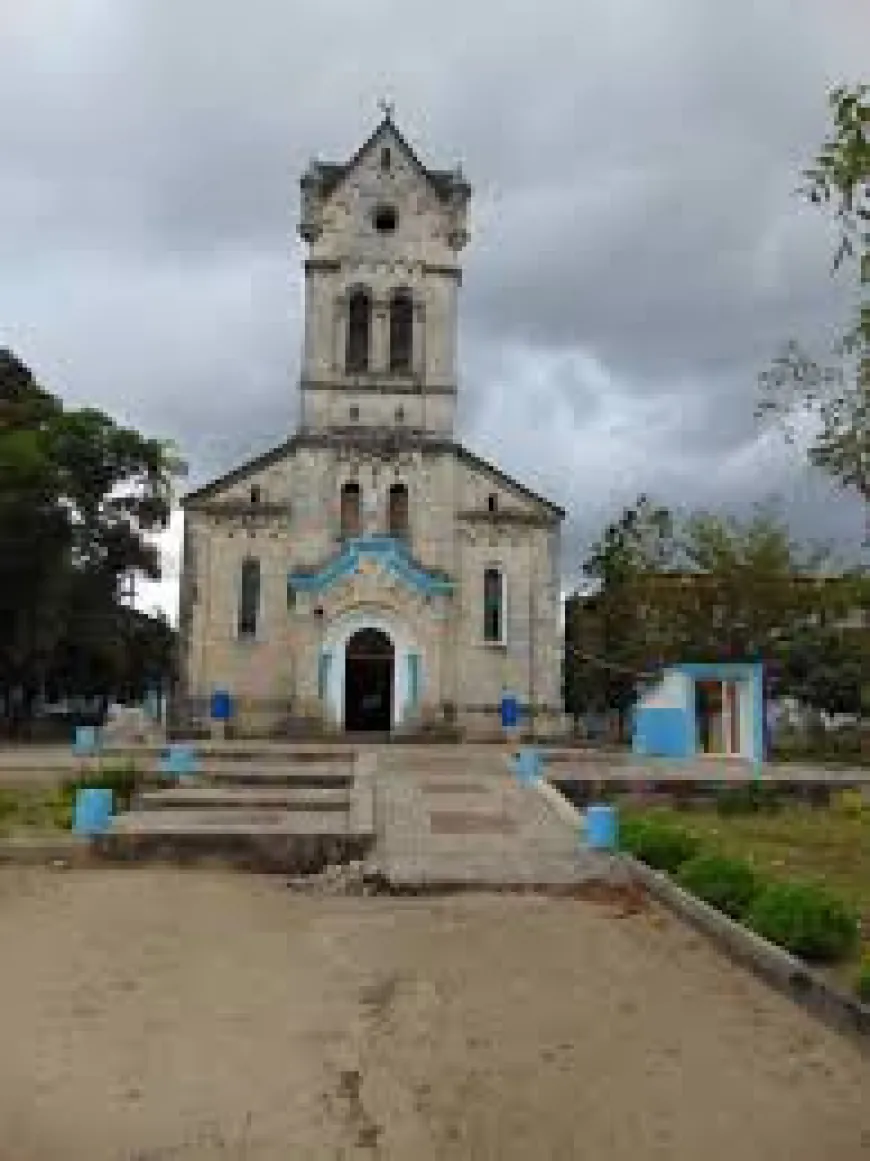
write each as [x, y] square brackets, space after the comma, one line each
[601, 828]
[529, 765]
[86, 741]
[179, 761]
[92, 811]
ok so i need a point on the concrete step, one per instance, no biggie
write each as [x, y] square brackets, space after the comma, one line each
[273, 776]
[255, 797]
[231, 820]
[273, 754]
[267, 841]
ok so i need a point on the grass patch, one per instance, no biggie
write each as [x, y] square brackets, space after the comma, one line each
[45, 809]
[824, 848]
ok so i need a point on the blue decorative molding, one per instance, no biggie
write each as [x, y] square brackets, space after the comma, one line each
[390, 554]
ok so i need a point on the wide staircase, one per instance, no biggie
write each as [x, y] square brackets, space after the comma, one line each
[269, 810]
[401, 818]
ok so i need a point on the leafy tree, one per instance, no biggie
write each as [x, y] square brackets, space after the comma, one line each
[825, 668]
[607, 644]
[708, 587]
[836, 394]
[79, 496]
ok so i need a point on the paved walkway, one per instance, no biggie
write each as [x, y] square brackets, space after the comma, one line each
[442, 827]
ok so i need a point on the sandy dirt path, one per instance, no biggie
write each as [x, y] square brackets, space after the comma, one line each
[157, 1014]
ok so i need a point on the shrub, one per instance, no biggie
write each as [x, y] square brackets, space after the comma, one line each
[728, 884]
[658, 844]
[804, 919]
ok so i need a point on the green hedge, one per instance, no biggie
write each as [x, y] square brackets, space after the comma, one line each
[803, 918]
[731, 885]
[806, 920]
[658, 844]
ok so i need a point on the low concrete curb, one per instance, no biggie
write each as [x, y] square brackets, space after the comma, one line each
[775, 966]
[28, 850]
[566, 811]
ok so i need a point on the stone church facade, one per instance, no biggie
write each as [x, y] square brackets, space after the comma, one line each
[371, 573]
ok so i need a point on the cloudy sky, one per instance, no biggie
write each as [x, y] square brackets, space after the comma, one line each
[638, 252]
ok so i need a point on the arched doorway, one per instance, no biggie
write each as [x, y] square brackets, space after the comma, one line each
[369, 663]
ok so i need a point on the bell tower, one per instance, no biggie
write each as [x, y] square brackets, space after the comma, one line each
[382, 278]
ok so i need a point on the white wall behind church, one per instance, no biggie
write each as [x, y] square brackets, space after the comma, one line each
[162, 595]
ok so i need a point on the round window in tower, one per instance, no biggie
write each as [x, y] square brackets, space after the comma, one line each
[385, 219]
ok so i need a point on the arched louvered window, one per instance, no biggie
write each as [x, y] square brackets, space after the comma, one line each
[359, 325]
[398, 511]
[401, 331]
[351, 510]
[249, 597]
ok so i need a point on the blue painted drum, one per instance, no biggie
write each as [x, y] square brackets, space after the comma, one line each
[221, 705]
[92, 811]
[601, 828]
[509, 711]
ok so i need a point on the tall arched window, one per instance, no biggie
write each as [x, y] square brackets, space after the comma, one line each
[249, 597]
[359, 322]
[493, 606]
[351, 510]
[398, 511]
[401, 331]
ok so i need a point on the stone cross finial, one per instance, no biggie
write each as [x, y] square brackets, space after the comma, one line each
[387, 107]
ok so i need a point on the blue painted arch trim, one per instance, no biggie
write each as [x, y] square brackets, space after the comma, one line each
[391, 554]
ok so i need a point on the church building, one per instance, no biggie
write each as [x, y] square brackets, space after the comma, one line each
[371, 573]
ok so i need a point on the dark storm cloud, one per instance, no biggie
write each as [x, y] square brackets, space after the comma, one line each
[637, 251]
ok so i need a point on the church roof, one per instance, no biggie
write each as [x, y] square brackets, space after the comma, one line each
[329, 174]
[325, 439]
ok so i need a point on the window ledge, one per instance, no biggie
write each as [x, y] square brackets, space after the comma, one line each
[493, 644]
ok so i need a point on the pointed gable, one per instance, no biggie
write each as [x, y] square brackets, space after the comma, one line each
[326, 177]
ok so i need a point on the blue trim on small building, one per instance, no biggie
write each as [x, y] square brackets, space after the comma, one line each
[662, 732]
[672, 731]
[391, 554]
